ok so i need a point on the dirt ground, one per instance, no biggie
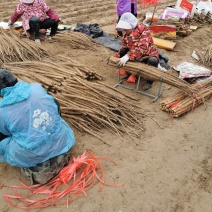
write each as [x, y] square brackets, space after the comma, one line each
[169, 167]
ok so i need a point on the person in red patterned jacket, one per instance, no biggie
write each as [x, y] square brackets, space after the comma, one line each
[35, 15]
[137, 44]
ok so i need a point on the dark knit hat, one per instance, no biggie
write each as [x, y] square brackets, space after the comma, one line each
[7, 79]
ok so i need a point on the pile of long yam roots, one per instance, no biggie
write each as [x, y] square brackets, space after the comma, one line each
[155, 74]
[86, 103]
[189, 97]
[12, 48]
[181, 103]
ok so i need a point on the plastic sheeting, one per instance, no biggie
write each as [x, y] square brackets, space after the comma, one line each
[99, 36]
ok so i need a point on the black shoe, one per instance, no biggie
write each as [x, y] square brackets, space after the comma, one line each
[147, 85]
[125, 76]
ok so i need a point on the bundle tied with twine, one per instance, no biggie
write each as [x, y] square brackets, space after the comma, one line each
[12, 48]
[155, 74]
[87, 106]
[181, 103]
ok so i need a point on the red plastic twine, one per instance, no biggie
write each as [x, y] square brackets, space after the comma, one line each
[171, 106]
[74, 180]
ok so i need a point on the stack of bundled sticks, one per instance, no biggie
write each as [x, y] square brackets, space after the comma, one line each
[12, 48]
[57, 68]
[155, 74]
[182, 29]
[87, 106]
[181, 103]
[183, 26]
[201, 19]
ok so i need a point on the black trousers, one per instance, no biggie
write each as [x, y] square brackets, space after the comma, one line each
[2, 136]
[35, 25]
[152, 61]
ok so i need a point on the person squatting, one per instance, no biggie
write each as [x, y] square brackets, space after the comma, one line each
[33, 135]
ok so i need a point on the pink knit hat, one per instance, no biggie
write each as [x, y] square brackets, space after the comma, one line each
[27, 1]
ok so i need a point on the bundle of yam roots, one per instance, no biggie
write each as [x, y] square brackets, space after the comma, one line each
[155, 74]
[74, 40]
[181, 103]
[189, 97]
[12, 48]
[183, 25]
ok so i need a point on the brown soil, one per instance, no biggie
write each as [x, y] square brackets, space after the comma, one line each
[169, 166]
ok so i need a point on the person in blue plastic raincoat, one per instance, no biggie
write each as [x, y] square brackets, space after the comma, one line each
[33, 136]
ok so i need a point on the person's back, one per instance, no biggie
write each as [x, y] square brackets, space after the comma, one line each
[29, 116]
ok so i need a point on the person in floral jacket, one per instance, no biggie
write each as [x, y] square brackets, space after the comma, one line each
[35, 15]
[137, 44]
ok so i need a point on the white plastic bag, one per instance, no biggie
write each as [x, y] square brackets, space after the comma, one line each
[204, 7]
[189, 70]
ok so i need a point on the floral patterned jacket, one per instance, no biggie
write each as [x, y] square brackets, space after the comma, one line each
[140, 44]
[38, 8]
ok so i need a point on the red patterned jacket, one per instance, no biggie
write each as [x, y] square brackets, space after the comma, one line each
[140, 44]
[38, 8]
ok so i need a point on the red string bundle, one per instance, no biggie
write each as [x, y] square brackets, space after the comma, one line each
[145, 3]
[73, 180]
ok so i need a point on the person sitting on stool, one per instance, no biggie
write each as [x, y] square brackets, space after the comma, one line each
[137, 44]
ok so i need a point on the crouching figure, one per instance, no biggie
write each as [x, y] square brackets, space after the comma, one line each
[33, 135]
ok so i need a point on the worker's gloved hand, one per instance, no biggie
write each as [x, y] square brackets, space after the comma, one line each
[123, 60]
[10, 23]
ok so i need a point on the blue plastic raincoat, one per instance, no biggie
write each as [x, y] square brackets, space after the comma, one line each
[29, 116]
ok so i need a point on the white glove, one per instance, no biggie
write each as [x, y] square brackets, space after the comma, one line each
[37, 41]
[60, 20]
[123, 60]
[10, 23]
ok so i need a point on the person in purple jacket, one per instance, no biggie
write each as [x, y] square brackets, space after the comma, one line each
[35, 15]
[123, 6]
